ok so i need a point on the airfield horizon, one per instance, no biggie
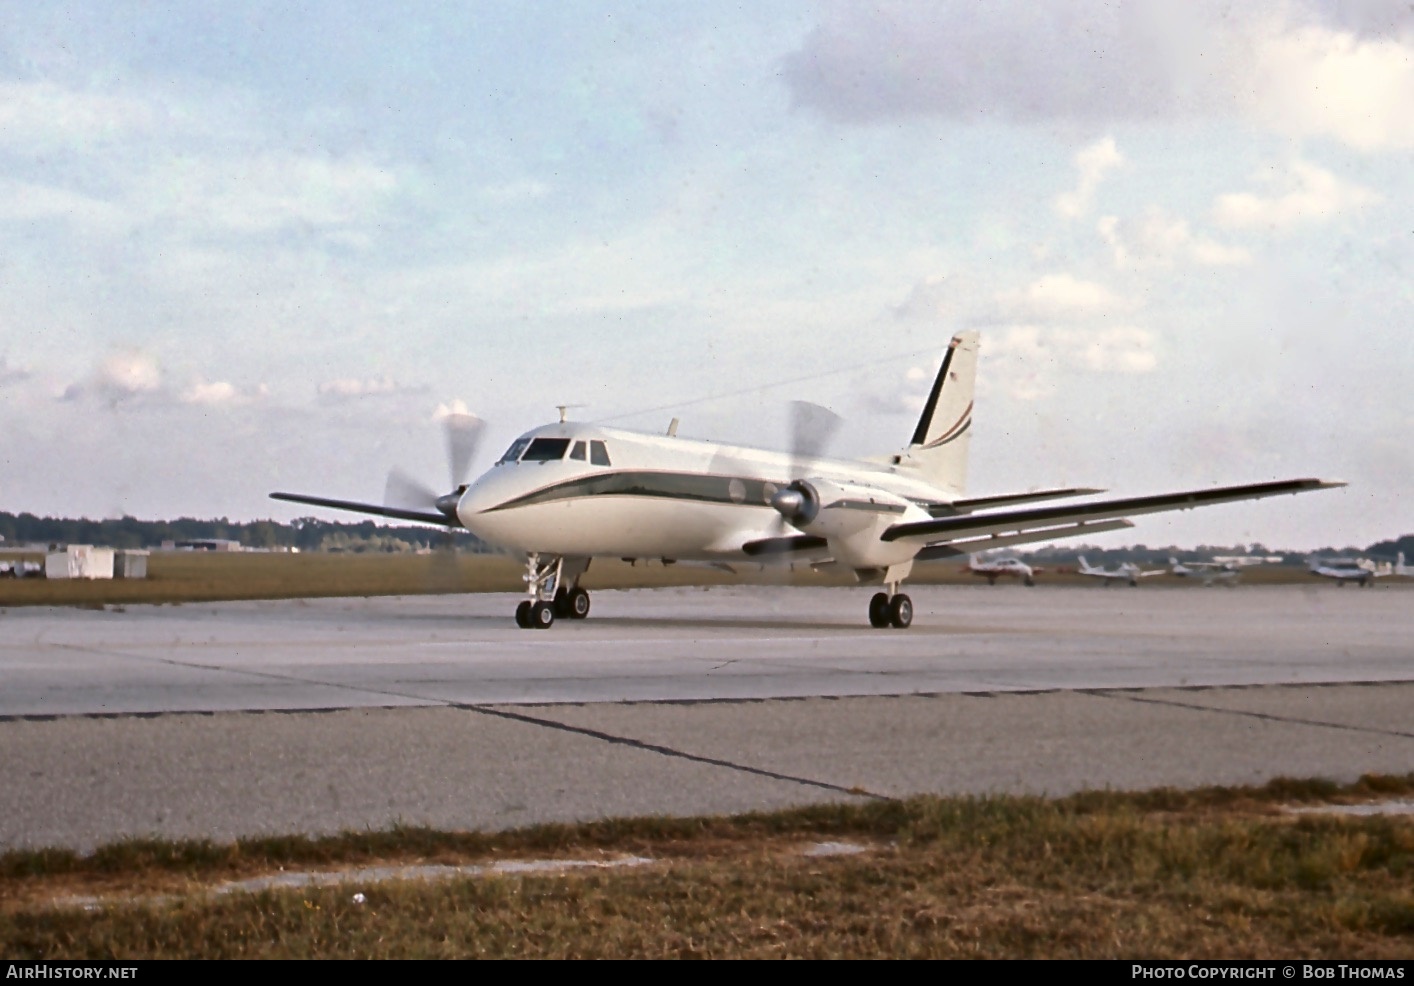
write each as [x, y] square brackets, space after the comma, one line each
[188, 576]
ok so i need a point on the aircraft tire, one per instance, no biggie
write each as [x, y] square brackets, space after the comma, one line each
[562, 602]
[1030, 581]
[577, 606]
[523, 614]
[901, 611]
[879, 610]
[542, 616]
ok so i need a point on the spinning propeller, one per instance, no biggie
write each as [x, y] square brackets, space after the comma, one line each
[812, 428]
[403, 492]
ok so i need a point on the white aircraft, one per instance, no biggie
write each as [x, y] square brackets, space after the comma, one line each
[1128, 572]
[992, 568]
[1361, 572]
[568, 492]
[1226, 572]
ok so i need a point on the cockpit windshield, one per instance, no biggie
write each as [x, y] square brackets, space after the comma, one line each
[513, 453]
[546, 450]
[554, 449]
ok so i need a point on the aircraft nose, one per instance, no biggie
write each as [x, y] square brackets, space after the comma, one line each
[475, 499]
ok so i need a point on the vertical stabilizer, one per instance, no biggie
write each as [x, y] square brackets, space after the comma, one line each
[938, 450]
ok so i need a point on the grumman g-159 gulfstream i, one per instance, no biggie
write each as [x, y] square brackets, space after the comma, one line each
[568, 492]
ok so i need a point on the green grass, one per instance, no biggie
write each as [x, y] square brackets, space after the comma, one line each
[185, 577]
[1217, 872]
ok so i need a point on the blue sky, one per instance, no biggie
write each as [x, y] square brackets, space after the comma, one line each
[262, 246]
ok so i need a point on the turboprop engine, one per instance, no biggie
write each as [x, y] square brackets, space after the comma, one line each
[839, 511]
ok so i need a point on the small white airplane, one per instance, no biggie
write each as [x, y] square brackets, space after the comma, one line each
[1129, 572]
[993, 568]
[1210, 572]
[568, 492]
[1360, 572]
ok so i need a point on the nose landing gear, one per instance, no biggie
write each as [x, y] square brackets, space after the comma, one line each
[549, 597]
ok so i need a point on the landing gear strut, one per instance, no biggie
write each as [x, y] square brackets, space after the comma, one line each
[895, 610]
[549, 597]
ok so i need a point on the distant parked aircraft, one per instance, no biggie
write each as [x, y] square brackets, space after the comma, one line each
[20, 569]
[991, 568]
[1343, 570]
[1128, 572]
[1226, 572]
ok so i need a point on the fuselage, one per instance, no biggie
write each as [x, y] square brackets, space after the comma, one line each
[578, 489]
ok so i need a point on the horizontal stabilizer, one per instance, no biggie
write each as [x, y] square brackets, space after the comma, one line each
[440, 519]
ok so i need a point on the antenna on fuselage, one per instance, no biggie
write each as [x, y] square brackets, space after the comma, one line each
[564, 409]
[673, 428]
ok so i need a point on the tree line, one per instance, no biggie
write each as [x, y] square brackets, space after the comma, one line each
[304, 533]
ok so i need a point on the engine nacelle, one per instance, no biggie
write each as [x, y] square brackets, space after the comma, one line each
[829, 509]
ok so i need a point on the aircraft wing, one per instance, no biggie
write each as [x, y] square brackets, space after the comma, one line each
[425, 517]
[1005, 500]
[1004, 522]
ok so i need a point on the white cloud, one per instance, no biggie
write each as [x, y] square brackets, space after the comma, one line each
[1160, 240]
[120, 378]
[1092, 163]
[268, 192]
[27, 202]
[514, 192]
[1332, 69]
[11, 374]
[1317, 81]
[44, 116]
[1121, 349]
[217, 393]
[1309, 194]
[1030, 359]
[348, 389]
[926, 300]
[1061, 296]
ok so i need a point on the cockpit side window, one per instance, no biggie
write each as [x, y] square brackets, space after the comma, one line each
[598, 454]
[578, 451]
[546, 450]
[513, 453]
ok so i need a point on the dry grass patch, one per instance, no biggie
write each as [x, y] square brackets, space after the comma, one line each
[1212, 873]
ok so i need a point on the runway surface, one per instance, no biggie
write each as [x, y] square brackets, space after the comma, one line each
[439, 711]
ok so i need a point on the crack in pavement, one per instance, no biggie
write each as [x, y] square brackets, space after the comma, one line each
[669, 751]
[599, 735]
[1248, 713]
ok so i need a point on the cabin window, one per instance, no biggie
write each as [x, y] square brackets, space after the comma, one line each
[546, 450]
[578, 452]
[513, 453]
[598, 454]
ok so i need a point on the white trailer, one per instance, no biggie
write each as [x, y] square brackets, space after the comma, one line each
[79, 561]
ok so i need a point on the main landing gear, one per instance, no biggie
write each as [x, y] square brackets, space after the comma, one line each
[890, 610]
[549, 597]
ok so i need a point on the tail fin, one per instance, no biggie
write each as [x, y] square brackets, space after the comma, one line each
[938, 450]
